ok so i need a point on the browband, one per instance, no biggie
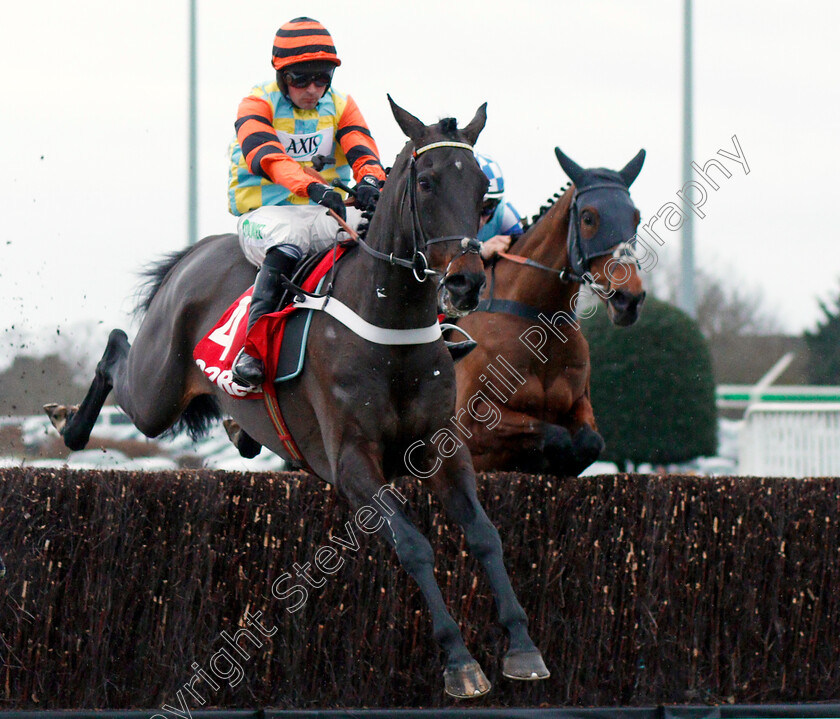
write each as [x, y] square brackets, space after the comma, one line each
[433, 145]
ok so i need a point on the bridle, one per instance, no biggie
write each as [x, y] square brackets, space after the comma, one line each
[624, 252]
[419, 263]
[581, 258]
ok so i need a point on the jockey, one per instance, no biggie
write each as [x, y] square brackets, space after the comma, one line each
[281, 128]
[500, 222]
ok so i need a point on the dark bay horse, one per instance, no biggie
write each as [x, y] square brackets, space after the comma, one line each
[523, 394]
[359, 406]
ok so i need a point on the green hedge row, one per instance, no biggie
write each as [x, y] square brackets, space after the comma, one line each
[641, 591]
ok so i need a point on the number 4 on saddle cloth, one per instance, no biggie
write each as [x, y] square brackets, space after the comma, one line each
[278, 338]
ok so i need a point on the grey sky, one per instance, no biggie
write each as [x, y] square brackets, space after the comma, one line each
[95, 123]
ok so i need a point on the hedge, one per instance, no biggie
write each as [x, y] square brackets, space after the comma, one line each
[641, 590]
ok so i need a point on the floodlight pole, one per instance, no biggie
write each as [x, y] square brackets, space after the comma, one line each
[687, 298]
[192, 170]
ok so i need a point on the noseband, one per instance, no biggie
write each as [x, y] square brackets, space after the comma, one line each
[419, 264]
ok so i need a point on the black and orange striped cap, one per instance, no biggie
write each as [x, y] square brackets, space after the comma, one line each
[301, 40]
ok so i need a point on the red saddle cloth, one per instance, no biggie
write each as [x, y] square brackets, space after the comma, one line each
[217, 350]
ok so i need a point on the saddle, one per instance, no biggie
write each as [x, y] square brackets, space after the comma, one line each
[278, 338]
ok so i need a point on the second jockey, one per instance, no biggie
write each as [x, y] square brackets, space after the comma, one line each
[500, 222]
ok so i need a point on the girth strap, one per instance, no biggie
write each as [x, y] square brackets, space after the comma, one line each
[276, 416]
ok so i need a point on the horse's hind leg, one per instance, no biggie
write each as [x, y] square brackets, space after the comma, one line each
[455, 485]
[75, 425]
[361, 481]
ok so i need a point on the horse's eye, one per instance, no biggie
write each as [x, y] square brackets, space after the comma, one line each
[588, 219]
[424, 183]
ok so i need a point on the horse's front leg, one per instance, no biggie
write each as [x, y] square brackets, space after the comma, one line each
[586, 443]
[455, 485]
[360, 478]
[514, 441]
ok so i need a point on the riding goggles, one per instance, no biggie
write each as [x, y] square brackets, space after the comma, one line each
[489, 207]
[301, 80]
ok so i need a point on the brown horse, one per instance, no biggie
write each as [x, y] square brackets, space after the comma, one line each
[360, 405]
[523, 394]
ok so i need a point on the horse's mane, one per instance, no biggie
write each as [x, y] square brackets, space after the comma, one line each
[549, 203]
[153, 276]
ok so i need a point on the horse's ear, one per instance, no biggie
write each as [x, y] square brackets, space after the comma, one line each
[410, 125]
[574, 171]
[633, 168]
[473, 130]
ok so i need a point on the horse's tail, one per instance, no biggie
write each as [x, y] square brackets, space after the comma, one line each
[154, 275]
[203, 411]
[197, 419]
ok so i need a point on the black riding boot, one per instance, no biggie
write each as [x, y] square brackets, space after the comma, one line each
[249, 371]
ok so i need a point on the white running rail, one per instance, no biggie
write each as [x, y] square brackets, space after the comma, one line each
[791, 439]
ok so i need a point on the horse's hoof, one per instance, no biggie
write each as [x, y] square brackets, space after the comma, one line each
[233, 430]
[59, 414]
[247, 446]
[467, 682]
[525, 666]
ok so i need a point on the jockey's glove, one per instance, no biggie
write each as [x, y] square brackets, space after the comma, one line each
[367, 192]
[325, 196]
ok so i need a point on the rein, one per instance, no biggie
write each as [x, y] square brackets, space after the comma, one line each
[565, 274]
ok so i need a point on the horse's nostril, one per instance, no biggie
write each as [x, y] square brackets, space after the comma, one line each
[456, 284]
[619, 301]
[623, 301]
[464, 283]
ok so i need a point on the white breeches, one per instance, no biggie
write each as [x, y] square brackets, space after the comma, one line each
[309, 227]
